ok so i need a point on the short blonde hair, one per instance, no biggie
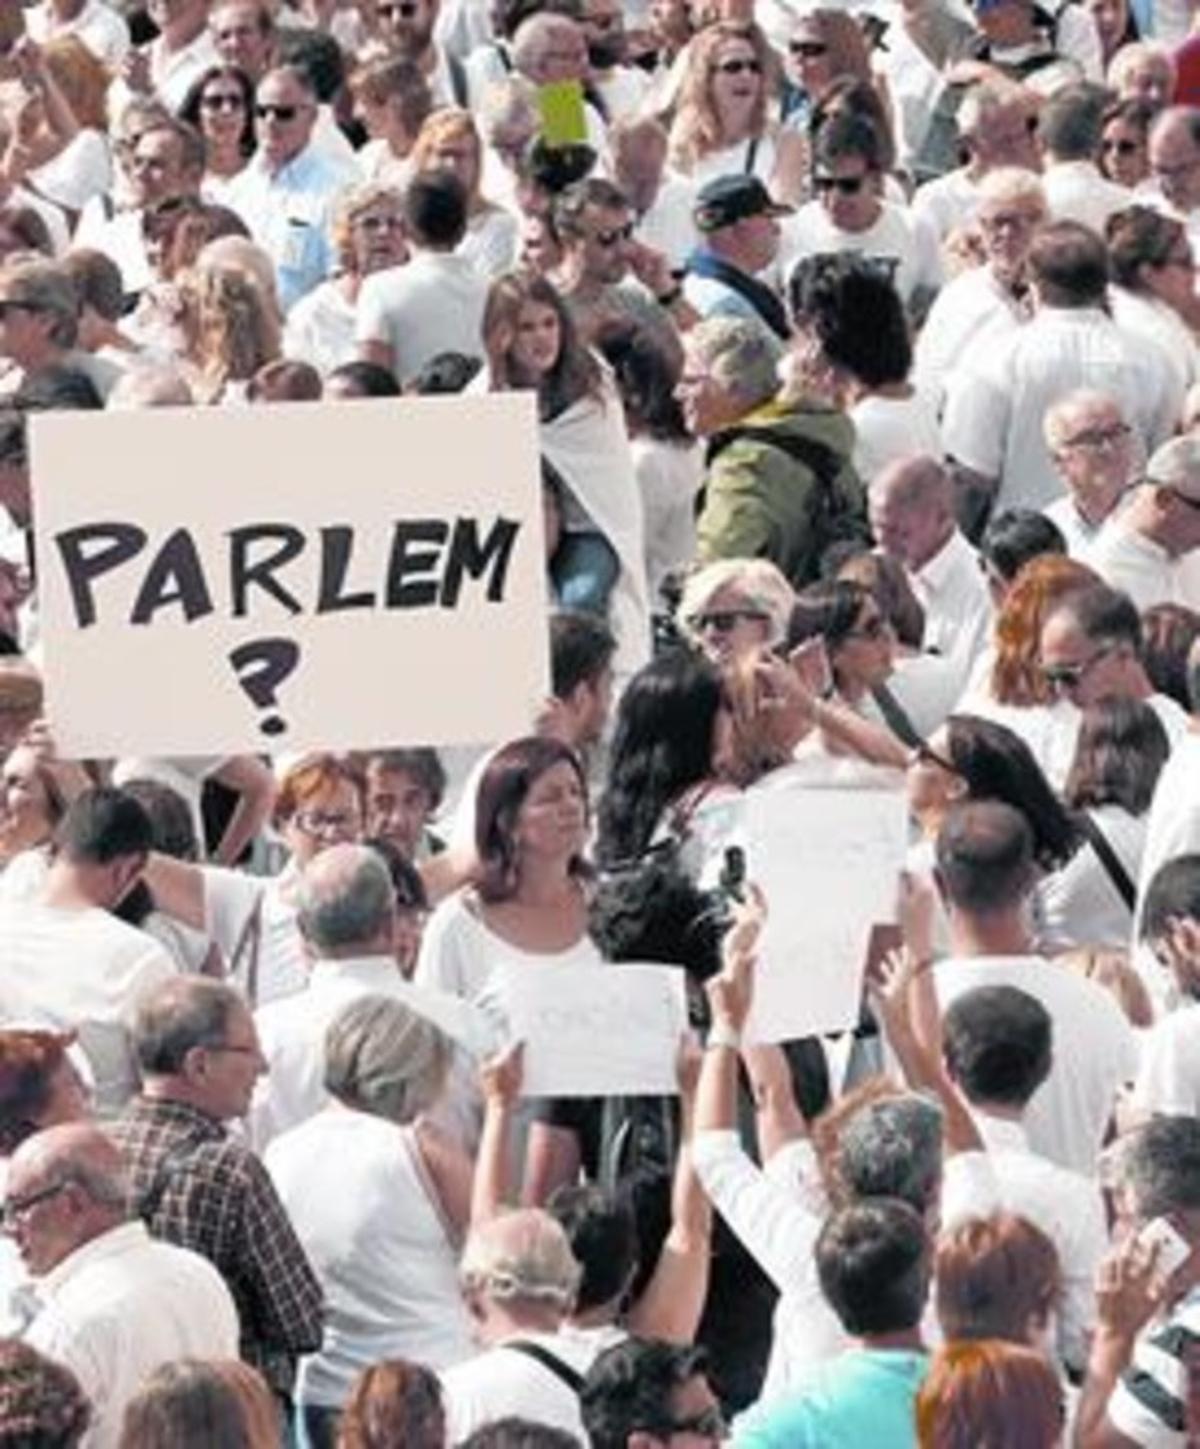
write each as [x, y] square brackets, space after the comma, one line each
[350, 205]
[757, 579]
[521, 1254]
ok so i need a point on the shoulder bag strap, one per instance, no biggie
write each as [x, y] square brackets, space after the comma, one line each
[1109, 859]
[247, 951]
[549, 1361]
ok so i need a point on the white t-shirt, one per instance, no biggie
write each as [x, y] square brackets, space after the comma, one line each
[886, 428]
[320, 328]
[1094, 1050]
[669, 477]
[81, 170]
[1140, 567]
[947, 202]
[433, 303]
[897, 234]
[970, 313]
[231, 899]
[491, 242]
[1080, 906]
[122, 1305]
[502, 1382]
[83, 970]
[668, 226]
[1076, 191]
[1168, 1080]
[379, 1245]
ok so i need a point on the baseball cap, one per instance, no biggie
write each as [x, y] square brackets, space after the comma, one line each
[727, 199]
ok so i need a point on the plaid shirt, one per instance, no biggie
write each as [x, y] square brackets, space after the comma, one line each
[211, 1194]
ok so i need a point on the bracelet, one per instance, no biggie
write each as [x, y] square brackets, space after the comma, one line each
[668, 299]
[721, 1034]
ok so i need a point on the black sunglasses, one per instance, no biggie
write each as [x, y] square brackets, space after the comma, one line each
[219, 101]
[808, 49]
[847, 185]
[724, 621]
[267, 111]
[1119, 148]
[737, 67]
[613, 236]
[400, 9]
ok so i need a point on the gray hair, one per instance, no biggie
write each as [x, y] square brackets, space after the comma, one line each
[893, 1148]
[756, 579]
[345, 898]
[1176, 465]
[1012, 184]
[740, 354]
[1160, 1164]
[521, 1254]
[382, 1057]
[180, 1014]
[1054, 423]
[984, 99]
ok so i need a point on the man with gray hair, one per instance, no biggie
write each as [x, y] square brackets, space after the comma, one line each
[1071, 126]
[347, 916]
[1137, 1388]
[1150, 549]
[40, 310]
[1092, 447]
[519, 1278]
[114, 1303]
[779, 483]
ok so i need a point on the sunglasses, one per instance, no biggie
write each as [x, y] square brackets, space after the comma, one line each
[219, 101]
[266, 111]
[808, 49]
[1069, 676]
[1119, 148]
[613, 236]
[738, 67]
[846, 185]
[400, 10]
[723, 621]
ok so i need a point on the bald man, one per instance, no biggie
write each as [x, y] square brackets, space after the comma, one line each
[911, 508]
[114, 1303]
[1175, 167]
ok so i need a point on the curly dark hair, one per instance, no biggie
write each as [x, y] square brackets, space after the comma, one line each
[42, 1405]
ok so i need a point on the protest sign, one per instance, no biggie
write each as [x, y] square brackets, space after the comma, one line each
[828, 862]
[593, 1031]
[220, 580]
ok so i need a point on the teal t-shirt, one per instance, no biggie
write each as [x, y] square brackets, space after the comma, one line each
[865, 1397]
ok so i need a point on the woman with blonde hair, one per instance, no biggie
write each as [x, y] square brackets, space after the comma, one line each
[449, 141]
[368, 235]
[723, 122]
[230, 331]
[61, 148]
[735, 605]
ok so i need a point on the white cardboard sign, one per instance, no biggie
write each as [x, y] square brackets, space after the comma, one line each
[828, 862]
[595, 1031]
[290, 576]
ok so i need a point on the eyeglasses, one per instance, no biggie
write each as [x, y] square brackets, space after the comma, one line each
[613, 236]
[8, 305]
[222, 101]
[723, 621]
[399, 10]
[846, 185]
[267, 111]
[1092, 438]
[323, 823]
[738, 67]
[1120, 148]
[1070, 676]
[808, 49]
[233, 1048]
[20, 1207]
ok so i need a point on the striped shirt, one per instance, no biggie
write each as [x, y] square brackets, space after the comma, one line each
[1149, 1404]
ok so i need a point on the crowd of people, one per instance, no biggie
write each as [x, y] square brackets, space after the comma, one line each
[864, 340]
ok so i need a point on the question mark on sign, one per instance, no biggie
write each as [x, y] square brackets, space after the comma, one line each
[261, 667]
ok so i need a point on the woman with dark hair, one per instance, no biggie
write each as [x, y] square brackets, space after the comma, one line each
[220, 104]
[1115, 25]
[667, 460]
[526, 903]
[1153, 292]
[1168, 633]
[670, 748]
[1121, 750]
[858, 638]
[852, 331]
[1125, 142]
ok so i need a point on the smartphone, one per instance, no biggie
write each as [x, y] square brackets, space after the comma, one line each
[1170, 1247]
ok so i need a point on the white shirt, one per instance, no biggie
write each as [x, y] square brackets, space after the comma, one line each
[886, 428]
[1159, 325]
[669, 476]
[958, 611]
[433, 303]
[83, 970]
[292, 1034]
[971, 313]
[231, 899]
[121, 1306]
[996, 404]
[897, 234]
[1140, 567]
[1065, 1205]
[1094, 1051]
[119, 237]
[1168, 1080]
[947, 202]
[1080, 535]
[1174, 824]
[320, 328]
[379, 1245]
[1079, 904]
[491, 242]
[501, 1382]
[1077, 191]
[668, 226]
[81, 170]
[171, 75]
[101, 28]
